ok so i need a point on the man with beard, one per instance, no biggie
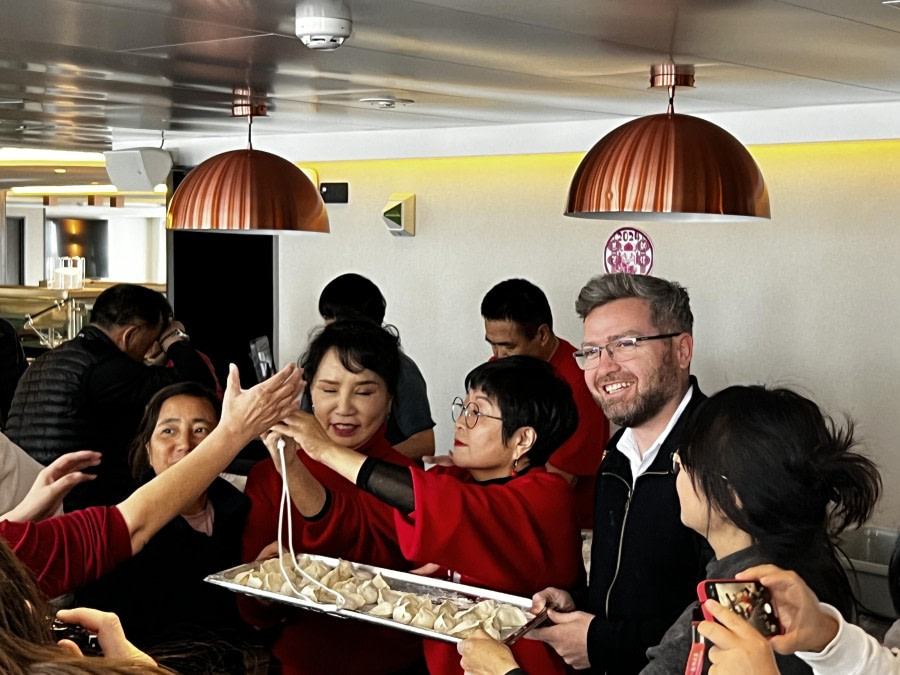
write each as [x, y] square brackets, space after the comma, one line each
[645, 564]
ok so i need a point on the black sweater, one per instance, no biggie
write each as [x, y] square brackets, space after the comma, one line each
[645, 564]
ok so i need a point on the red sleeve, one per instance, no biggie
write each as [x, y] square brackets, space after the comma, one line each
[581, 454]
[70, 550]
[493, 534]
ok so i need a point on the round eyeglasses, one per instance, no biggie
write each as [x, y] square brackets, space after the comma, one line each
[471, 412]
[624, 349]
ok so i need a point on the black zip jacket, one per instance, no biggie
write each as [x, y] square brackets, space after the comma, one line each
[645, 565]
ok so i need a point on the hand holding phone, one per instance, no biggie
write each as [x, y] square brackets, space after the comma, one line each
[748, 599]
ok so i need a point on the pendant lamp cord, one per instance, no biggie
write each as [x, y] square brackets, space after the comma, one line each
[250, 131]
[671, 110]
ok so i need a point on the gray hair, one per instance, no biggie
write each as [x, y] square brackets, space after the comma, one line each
[670, 306]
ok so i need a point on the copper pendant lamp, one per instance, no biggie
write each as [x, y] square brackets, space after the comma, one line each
[668, 167]
[247, 190]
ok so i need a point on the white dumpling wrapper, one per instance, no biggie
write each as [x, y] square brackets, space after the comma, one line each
[402, 613]
[424, 618]
[444, 623]
[368, 591]
[464, 628]
[383, 609]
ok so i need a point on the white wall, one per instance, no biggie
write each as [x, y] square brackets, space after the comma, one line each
[808, 299]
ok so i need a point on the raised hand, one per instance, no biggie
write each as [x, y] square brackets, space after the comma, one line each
[52, 484]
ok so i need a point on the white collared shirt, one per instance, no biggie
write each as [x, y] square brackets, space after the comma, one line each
[628, 446]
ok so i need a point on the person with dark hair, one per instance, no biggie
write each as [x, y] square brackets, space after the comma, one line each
[62, 553]
[645, 564]
[496, 518]
[765, 477]
[90, 392]
[351, 368]
[517, 320]
[410, 428]
[206, 538]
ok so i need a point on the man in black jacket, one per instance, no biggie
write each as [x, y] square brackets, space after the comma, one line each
[645, 564]
[89, 393]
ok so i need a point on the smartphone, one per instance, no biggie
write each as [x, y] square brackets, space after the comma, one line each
[748, 599]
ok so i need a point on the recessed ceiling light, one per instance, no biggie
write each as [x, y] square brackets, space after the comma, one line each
[59, 170]
[386, 102]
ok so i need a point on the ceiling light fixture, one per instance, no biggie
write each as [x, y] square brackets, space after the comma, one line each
[668, 167]
[247, 189]
[386, 102]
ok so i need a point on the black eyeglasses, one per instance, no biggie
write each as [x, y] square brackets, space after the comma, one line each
[471, 412]
[620, 350]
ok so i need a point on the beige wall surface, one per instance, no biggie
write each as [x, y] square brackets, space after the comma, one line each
[808, 299]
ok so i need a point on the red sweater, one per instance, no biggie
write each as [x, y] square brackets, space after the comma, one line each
[356, 526]
[581, 454]
[70, 550]
[517, 537]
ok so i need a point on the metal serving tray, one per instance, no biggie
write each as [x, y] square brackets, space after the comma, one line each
[438, 589]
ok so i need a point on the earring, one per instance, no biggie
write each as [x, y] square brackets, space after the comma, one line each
[514, 473]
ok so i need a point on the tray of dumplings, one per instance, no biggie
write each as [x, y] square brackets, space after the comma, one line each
[433, 608]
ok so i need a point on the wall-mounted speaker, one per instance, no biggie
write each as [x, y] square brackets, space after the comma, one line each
[138, 169]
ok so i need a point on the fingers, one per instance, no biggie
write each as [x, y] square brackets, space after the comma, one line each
[72, 461]
[233, 382]
[562, 617]
[729, 619]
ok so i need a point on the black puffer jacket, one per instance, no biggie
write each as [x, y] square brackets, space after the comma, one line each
[89, 395]
[645, 564]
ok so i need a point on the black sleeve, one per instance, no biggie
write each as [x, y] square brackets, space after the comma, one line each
[391, 483]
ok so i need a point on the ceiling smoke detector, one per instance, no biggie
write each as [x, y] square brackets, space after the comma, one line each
[386, 102]
[323, 24]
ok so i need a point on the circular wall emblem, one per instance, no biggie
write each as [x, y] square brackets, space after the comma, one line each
[628, 250]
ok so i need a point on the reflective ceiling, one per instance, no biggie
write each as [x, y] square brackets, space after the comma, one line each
[82, 74]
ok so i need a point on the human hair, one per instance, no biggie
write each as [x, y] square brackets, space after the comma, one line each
[360, 345]
[783, 472]
[352, 296]
[26, 642]
[518, 301]
[670, 306]
[127, 304]
[529, 394]
[140, 461]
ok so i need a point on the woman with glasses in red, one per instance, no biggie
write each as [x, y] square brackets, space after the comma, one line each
[496, 519]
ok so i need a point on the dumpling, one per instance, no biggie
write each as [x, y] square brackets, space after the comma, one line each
[345, 570]
[424, 618]
[317, 569]
[346, 586]
[402, 613]
[509, 617]
[387, 595]
[368, 591]
[379, 582]
[331, 578]
[447, 607]
[352, 600]
[444, 623]
[465, 628]
[488, 626]
[383, 609]
[272, 581]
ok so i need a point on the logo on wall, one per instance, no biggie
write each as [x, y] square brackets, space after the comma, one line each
[628, 250]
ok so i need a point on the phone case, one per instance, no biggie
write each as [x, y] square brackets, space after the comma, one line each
[765, 621]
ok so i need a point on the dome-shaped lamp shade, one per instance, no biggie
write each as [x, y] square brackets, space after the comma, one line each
[671, 167]
[247, 190]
